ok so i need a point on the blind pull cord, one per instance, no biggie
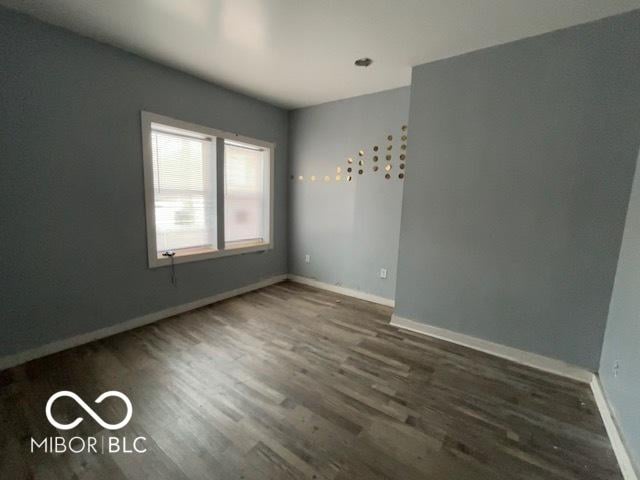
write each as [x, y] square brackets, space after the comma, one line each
[171, 254]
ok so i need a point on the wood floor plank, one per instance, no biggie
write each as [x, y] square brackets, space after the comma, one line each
[292, 382]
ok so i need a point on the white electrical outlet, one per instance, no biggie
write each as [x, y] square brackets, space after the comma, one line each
[383, 273]
[307, 258]
[616, 369]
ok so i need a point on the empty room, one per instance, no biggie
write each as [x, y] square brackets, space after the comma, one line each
[320, 240]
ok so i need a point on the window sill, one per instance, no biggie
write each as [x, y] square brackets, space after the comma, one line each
[244, 244]
[196, 255]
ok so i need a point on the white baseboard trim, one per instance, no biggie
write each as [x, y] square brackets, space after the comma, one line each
[540, 362]
[57, 346]
[342, 290]
[615, 437]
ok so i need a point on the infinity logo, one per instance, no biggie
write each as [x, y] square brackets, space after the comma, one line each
[89, 410]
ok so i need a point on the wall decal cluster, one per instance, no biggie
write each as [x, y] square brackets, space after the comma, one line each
[362, 160]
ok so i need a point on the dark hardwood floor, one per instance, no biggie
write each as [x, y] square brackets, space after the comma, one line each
[294, 382]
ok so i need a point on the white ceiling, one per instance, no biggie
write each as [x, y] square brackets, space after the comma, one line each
[296, 53]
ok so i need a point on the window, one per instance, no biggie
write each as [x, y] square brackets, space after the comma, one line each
[184, 191]
[246, 196]
[185, 167]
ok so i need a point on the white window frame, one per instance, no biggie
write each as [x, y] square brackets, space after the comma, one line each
[218, 137]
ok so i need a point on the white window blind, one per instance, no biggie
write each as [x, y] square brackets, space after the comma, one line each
[246, 194]
[184, 191]
[203, 184]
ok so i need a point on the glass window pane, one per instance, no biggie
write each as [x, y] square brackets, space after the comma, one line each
[184, 192]
[246, 194]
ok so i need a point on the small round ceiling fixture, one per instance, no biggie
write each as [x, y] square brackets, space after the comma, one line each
[363, 62]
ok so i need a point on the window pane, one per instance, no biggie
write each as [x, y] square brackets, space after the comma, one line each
[246, 194]
[184, 191]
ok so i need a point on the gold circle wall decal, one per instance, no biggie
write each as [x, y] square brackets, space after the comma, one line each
[402, 166]
[375, 168]
[338, 178]
[404, 138]
[387, 167]
[404, 128]
[327, 178]
[349, 160]
[388, 157]
[375, 158]
[361, 153]
[349, 178]
[301, 178]
[313, 178]
[402, 156]
[403, 146]
[401, 176]
[349, 169]
[338, 169]
[360, 172]
[375, 149]
[389, 137]
[361, 162]
[389, 147]
[387, 176]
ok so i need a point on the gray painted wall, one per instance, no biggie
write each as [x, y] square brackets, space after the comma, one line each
[72, 218]
[522, 158]
[350, 229]
[622, 338]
